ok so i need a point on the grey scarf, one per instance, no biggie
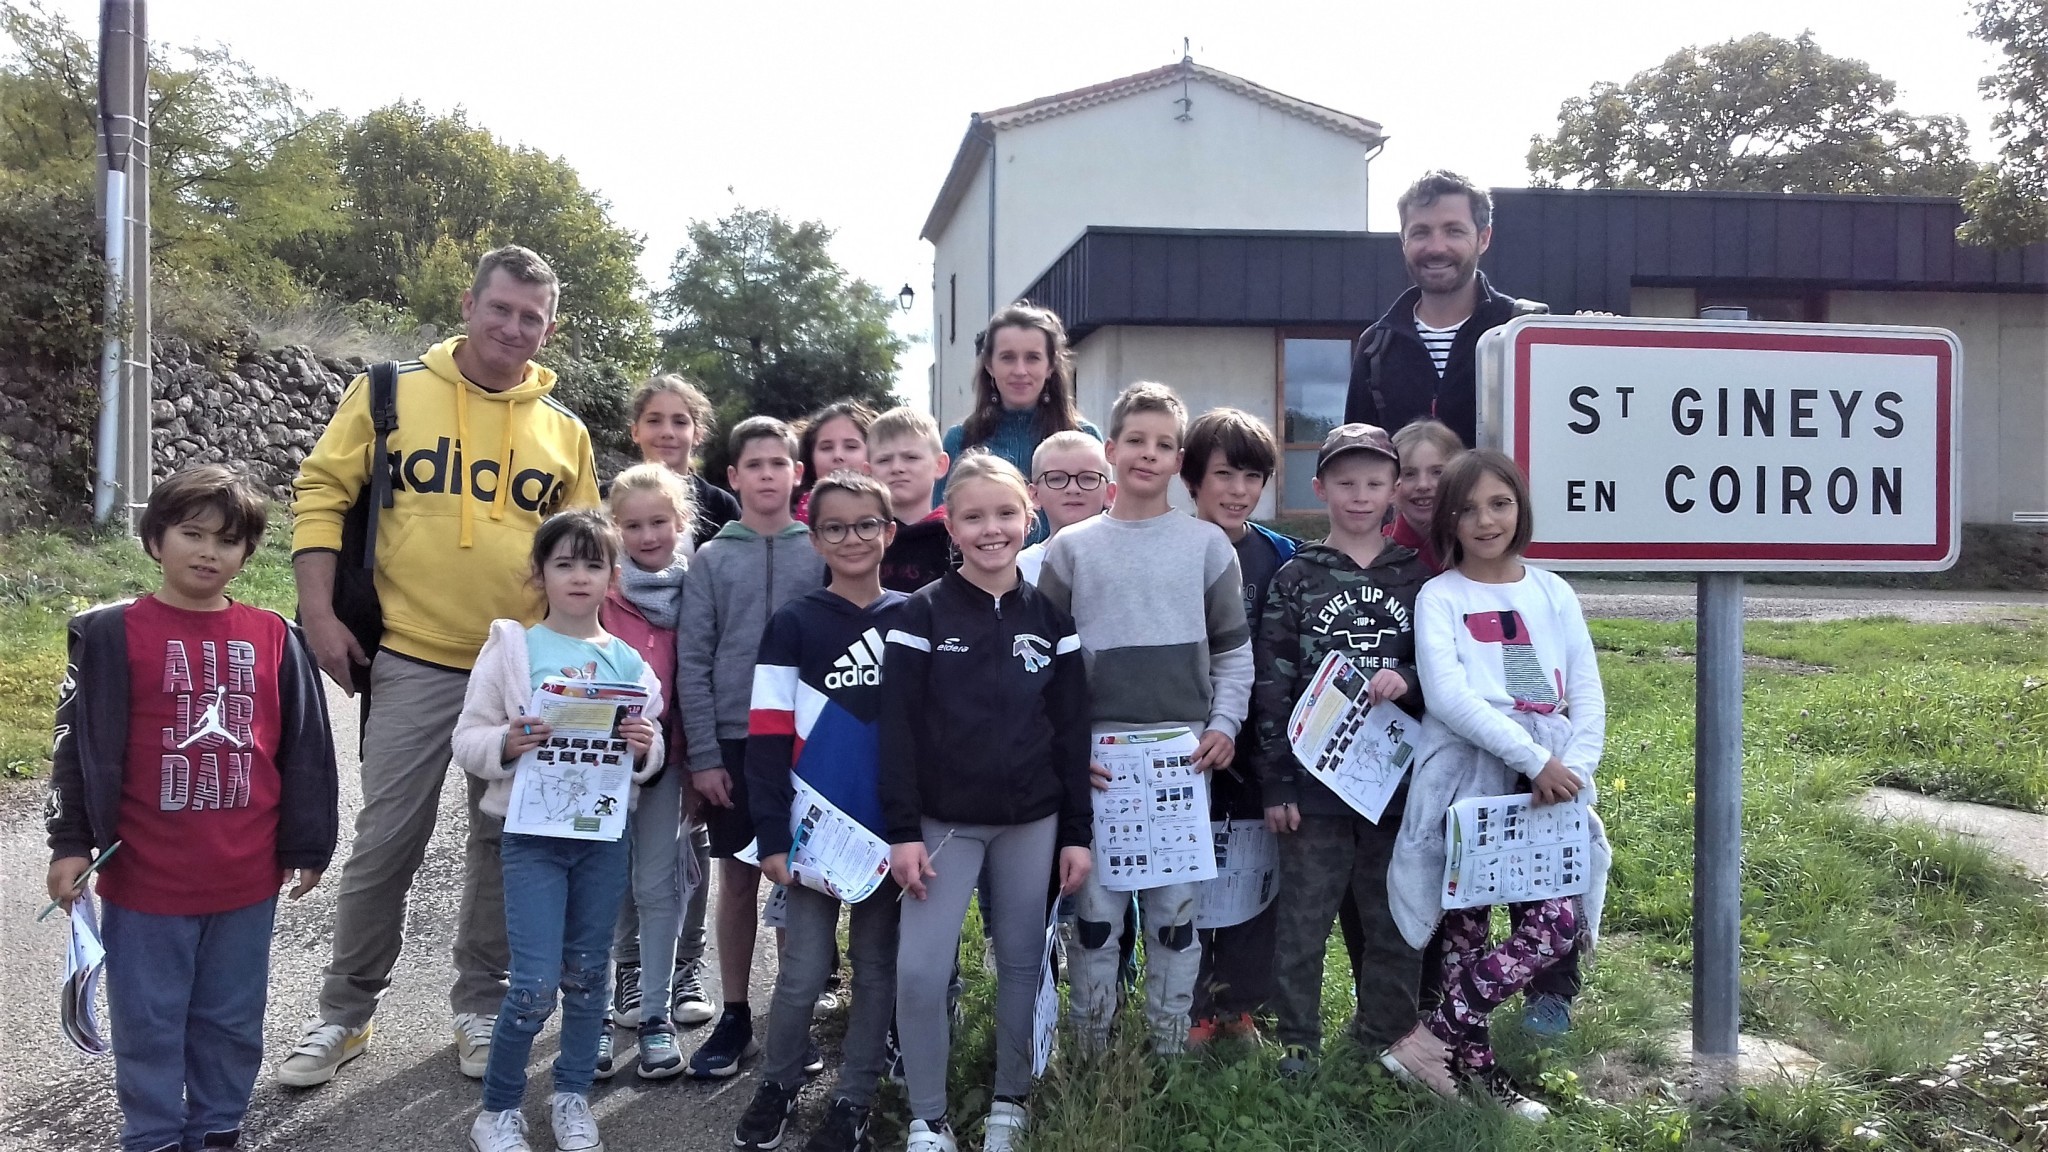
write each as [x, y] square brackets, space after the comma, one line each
[658, 595]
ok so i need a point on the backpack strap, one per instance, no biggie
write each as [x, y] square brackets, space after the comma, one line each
[384, 418]
[1372, 352]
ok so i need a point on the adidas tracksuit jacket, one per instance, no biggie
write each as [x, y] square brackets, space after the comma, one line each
[985, 713]
[816, 710]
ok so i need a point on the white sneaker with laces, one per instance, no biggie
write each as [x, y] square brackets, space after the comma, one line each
[575, 1128]
[322, 1050]
[499, 1132]
[473, 1043]
[926, 1138]
[1005, 1122]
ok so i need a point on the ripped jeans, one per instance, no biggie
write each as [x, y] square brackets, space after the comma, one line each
[561, 901]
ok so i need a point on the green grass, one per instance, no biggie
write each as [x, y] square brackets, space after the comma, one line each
[45, 578]
[1885, 951]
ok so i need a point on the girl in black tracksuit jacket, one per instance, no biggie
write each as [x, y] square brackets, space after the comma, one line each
[984, 759]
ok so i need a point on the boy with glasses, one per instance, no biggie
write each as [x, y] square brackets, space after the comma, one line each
[1070, 482]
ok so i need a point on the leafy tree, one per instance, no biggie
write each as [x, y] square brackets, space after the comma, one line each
[1760, 114]
[771, 324]
[426, 194]
[237, 166]
[2008, 202]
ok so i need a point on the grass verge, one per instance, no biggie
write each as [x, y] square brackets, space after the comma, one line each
[1891, 953]
[45, 578]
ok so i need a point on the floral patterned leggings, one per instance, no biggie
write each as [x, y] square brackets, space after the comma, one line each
[1472, 980]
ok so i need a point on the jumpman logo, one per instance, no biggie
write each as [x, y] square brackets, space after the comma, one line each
[212, 721]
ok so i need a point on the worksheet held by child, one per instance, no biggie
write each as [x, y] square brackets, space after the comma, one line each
[1152, 823]
[579, 784]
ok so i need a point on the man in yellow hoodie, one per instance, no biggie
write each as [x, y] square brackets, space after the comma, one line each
[480, 457]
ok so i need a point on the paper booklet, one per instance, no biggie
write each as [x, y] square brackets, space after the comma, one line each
[1359, 752]
[829, 850]
[1152, 825]
[84, 959]
[1247, 874]
[1507, 850]
[579, 784]
[1045, 1009]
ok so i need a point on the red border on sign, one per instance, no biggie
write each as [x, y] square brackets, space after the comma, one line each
[1763, 341]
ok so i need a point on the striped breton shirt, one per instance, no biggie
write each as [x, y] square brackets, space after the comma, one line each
[1438, 341]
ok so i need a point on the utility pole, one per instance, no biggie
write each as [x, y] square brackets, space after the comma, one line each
[123, 457]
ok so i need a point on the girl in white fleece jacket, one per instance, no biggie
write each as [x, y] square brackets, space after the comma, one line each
[561, 895]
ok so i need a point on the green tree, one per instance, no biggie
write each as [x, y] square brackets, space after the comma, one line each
[238, 167]
[2008, 201]
[427, 194]
[1760, 114]
[771, 324]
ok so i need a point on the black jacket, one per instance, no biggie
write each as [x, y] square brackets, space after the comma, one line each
[90, 755]
[1407, 387]
[984, 713]
[923, 552]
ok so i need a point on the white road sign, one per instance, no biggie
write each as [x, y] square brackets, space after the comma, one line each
[1729, 446]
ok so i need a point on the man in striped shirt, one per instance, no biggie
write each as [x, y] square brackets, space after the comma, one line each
[1418, 361]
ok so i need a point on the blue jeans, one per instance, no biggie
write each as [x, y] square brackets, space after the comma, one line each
[561, 900]
[185, 996]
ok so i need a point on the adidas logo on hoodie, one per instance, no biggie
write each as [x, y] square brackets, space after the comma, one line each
[860, 665]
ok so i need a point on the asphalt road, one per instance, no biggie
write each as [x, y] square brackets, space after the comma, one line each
[403, 1094]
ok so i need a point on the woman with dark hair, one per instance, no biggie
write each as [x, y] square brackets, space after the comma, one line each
[1023, 390]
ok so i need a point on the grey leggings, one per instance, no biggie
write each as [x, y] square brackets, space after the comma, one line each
[1020, 868]
[659, 907]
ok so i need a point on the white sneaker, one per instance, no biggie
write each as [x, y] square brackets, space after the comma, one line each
[499, 1132]
[925, 1138]
[322, 1050]
[473, 1043]
[1005, 1121]
[575, 1127]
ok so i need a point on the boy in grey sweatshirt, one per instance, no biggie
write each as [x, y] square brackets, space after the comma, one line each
[1158, 602]
[739, 577]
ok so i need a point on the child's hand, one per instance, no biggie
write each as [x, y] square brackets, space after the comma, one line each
[309, 879]
[776, 869]
[1386, 684]
[639, 734]
[713, 787]
[67, 879]
[1214, 751]
[1555, 784]
[523, 735]
[911, 865]
[1075, 864]
[1283, 818]
[1098, 777]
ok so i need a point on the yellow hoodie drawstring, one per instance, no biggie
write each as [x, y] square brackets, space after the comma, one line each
[504, 464]
[462, 450]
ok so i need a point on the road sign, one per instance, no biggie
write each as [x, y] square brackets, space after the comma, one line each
[1727, 445]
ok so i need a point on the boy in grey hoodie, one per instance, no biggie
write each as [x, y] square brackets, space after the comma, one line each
[750, 568]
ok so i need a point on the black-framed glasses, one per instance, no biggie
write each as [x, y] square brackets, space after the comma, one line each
[1499, 506]
[1085, 481]
[867, 528]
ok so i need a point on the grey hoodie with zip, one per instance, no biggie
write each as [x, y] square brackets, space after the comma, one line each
[737, 580]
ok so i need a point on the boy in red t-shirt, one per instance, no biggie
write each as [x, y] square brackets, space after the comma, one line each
[192, 731]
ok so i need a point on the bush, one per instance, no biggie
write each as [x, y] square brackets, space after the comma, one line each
[52, 281]
[598, 393]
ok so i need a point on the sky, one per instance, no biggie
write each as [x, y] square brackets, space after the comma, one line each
[850, 113]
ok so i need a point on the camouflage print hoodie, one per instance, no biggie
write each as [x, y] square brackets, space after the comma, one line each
[1322, 601]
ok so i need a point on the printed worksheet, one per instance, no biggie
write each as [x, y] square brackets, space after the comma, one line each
[1507, 850]
[830, 851]
[1360, 752]
[85, 958]
[1152, 825]
[1045, 1011]
[579, 784]
[1247, 874]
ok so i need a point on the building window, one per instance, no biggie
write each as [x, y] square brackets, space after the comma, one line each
[1809, 307]
[1315, 375]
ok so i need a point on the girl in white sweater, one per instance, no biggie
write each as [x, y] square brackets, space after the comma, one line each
[561, 895]
[1507, 667]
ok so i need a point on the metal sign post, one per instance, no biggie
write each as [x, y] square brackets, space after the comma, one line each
[1720, 446]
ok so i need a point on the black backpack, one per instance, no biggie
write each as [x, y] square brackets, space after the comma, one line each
[355, 572]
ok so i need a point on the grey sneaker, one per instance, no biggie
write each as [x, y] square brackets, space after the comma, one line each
[473, 1042]
[659, 1056]
[322, 1050]
[607, 1051]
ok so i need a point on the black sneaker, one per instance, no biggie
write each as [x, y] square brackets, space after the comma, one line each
[1492, 1083]
[687, 1004]
[845, 1129]
[814, 1060]
[626, 995]
[731, 1042]
[767, 1118]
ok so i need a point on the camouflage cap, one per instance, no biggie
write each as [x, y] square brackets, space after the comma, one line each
[1346, 438]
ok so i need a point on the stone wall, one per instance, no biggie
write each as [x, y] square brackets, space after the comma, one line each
[238, 404]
